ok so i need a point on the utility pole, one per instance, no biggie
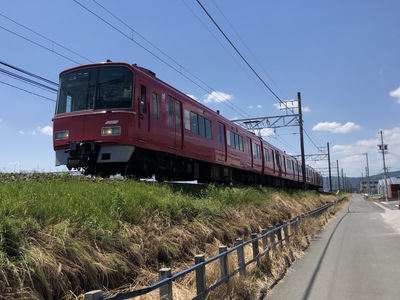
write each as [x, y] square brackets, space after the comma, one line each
[344, 186]
[338, 176]
[303, 158]
[367, 175]
[329, 165]
[384, 147]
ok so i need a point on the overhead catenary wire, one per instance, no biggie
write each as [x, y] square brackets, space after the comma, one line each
[46, 38]
[208, 90]
[19, 88]
[249, 65]
[27, 80]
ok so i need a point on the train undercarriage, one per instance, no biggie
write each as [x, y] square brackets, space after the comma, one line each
[143, 163]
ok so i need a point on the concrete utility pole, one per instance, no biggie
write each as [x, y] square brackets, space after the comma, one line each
[367, 175]
[338, 176]
[329, 166]
[303, 158]
[384, 147]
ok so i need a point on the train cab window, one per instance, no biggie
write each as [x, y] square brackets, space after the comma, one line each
[156, 114]
[95, 88]
[143, 99]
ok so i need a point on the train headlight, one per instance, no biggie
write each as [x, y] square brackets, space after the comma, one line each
[111, 131]
[61, 135]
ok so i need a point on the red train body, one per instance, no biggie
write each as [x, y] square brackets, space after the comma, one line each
[116, 118]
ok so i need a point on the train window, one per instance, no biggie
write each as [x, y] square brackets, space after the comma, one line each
[221, 133]
[200, 125]
[278, 159]
[156, 114]
[235, 141]
[187, 120]
[194, 123]
[266, 154]
[142, 99]
[208, 129]
[202, 128]
[170, 111]
[178, 113]
[257, 150]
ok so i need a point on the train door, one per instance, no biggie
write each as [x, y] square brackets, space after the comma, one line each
[222, 153]
[144, 122]
[175, 122]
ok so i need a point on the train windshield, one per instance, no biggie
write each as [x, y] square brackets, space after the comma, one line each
[105, 87]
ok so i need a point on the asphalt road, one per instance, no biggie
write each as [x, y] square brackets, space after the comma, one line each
[357, 256]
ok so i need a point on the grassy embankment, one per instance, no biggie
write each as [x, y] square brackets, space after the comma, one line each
[61, 236]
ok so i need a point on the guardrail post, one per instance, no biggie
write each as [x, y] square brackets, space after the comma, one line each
[200, 275]
[272, 238]
[264, 238]
[240, 255]
[223, 262]
[286, 231]
[166, 289]
[94, 295]
[279, 233]
[255, 248]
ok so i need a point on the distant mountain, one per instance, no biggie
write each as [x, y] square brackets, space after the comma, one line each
[352, 183]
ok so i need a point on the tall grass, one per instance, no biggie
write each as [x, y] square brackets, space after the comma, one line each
[70, 233]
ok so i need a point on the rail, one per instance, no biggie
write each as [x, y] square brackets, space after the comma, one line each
[277, 236]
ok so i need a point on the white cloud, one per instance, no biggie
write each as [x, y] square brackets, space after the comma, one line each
[396, 94]
[217, 97]
[47, 130]
[291, 104]
[192, 96]
[252, 106]
[335, 127]
[265, 132]
[21, 132]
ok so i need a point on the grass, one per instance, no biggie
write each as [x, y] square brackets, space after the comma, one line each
[63, 235]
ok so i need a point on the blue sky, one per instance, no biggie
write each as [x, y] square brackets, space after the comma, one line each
[343, 56]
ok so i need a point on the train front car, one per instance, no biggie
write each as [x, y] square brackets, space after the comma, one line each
[94, 117]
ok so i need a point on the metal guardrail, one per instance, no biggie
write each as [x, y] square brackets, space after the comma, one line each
[277, 236]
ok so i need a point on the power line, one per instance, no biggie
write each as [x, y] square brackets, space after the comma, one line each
[27, 80]
[46, 38]
[208, 90]
[28, 73]
[16, 87]
[39, 45]
[247, 63]
[248, 49]
[241, 56]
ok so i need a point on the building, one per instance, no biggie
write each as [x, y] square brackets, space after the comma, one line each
[373, 186]
[393, 186]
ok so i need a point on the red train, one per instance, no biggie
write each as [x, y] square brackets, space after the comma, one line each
[117, 118]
